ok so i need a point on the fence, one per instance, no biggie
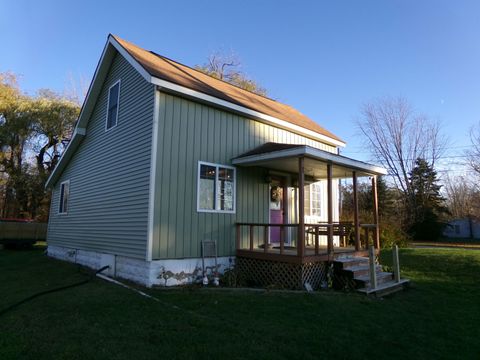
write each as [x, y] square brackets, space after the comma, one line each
[12, 231]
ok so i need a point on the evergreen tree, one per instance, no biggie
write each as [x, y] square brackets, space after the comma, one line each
[427, 206]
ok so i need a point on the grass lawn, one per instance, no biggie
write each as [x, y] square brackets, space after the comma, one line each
[438, 318]
[451, 242]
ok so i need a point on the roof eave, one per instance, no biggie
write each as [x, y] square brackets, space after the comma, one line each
[112, 46]
[317, 154]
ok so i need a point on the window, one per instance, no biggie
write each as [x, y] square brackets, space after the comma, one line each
[216, 188]
[112, 107]
[313, 196]
[64, 195]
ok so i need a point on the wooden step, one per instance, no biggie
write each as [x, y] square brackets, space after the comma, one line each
[382, 277]
[386, 288]
[361, 270]
[346, 263]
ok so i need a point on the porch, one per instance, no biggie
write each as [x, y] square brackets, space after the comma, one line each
[300, 250]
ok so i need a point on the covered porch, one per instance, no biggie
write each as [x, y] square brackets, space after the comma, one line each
[304, 241]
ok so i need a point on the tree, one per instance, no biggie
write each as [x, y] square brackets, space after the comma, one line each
[54, 121]
[391, 232]
[30, 127]
[227, 68]
[429, 210]
[15, 130]
[398, 136]
[463, 197]
[473, 154]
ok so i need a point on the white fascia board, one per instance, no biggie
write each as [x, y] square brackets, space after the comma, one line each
[153, 172]
[274, 155]
[313, 153]
[344, 161]
[77, 136]
[85, 112]
[130, 59]
[246, 111]
[219, 102]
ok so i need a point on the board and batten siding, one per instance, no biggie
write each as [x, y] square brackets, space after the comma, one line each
[190, 132]
[109, 174]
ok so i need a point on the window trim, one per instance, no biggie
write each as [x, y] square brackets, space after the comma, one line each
[318, 199]
[108, 105]
[216, 210]
[62, 211]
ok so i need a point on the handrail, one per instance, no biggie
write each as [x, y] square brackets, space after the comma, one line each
[313, 230]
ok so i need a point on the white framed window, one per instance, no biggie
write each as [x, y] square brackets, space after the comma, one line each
[216, 188]
[112, 106]
[313, 199]
[64, 197]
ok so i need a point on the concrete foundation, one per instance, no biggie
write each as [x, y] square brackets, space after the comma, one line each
[168, 272]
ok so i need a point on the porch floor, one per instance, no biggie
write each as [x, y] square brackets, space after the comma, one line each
[309, 250]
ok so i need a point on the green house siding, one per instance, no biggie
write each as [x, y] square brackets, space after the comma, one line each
[190, 132]
[109, 174]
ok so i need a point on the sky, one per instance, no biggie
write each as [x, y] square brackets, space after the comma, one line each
[325, 58]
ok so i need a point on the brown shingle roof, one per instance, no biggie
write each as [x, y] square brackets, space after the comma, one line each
[172, 71]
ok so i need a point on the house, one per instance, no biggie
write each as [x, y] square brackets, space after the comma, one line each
[164, 157]
[462, 228]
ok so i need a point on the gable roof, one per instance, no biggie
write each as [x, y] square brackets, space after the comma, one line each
[172, 71]
[174, 77]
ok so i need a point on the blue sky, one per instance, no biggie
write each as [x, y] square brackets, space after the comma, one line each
[325, 58]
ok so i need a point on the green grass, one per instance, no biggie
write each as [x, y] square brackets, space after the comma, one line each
[438, 318]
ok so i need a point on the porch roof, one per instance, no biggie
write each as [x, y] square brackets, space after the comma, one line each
[284, 157]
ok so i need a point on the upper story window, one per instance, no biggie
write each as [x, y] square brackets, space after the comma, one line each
[112, 105]
[64, 195]
[216, 188]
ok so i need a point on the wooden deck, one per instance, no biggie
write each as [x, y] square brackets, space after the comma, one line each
[253, 242]
[290, 255]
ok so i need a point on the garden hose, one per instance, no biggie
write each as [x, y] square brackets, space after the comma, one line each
[34, 296]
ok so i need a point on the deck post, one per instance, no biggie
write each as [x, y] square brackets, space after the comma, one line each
[301, 207]
[372, 267]
[396, 264]
[330, 208]
[375, 213]
[251, 237]
[238, 237]
[356, 220]
[265, 238]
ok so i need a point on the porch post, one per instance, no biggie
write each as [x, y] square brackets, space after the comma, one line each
[330, 208]
[301, 207]
[356, 220]
[375, 212]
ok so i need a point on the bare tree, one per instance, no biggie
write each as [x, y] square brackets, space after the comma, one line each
[473, 154]
[397, 136]
[463, 197]
[228, 68]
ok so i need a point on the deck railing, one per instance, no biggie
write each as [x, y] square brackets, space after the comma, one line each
[319, 237]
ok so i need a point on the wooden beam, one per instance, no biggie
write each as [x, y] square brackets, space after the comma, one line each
[375, 213]
[330, 207]
[301, 207]
[238, 236]
[251, 237]
[356, 220]
[265, 238]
